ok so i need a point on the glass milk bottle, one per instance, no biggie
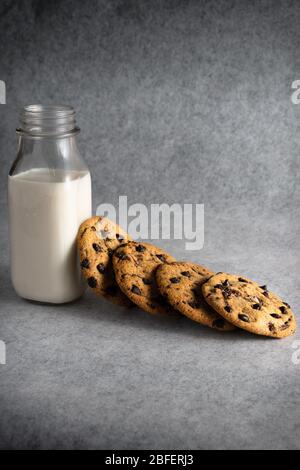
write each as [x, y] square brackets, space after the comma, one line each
[49, 195]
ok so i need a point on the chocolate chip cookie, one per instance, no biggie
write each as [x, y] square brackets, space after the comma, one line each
[97, 239]
[180, 283]
[135, 265]
[249, 306]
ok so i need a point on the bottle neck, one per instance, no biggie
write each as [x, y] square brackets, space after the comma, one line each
[39, 121]
[47, 140]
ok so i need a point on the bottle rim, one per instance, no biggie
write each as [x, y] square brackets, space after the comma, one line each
[39, 120]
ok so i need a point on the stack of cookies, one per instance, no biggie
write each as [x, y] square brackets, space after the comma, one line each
[132, 273]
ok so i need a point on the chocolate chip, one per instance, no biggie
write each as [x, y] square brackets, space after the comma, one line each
[186, 273]
[175, 280]
[256, 306]
[225, 289]
[93, 229]
[241, 279]
[284, 327]
[136, 290]
[219, 323]
[244, 317]
[92, 282]
[147, 282]
[286, 304]
[272, 327]
[236, 293]
[263, 287]
[101, 268]
[140, 248]
[266, 293]
[228, 308]
[119, 237]
[275, 315]
[85, 263]
[283, 309]
[97, 247]
[122, 256]
[161, 258]
[226, 293]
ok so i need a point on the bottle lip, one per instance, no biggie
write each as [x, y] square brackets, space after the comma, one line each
[39, 120]
[48, 110]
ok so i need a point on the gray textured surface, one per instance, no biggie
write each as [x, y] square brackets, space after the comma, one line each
[178, 101]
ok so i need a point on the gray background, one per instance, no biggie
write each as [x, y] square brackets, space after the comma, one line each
[178, 101]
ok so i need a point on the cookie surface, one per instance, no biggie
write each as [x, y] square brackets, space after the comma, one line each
[249, 306]
[97, 239]
[180, 283]
[135, 265]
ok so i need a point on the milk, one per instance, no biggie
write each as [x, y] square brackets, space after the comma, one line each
[46, 208]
